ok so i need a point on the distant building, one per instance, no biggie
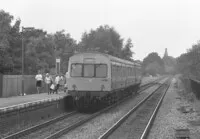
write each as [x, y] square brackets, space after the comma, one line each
[169, 62]
[166, 53]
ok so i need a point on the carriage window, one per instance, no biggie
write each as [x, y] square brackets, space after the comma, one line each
[88, 70]
[101, 70]
[76, 70]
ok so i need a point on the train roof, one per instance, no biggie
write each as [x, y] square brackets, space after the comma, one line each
[111, 58]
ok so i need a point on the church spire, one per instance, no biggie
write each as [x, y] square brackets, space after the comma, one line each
[166, 53]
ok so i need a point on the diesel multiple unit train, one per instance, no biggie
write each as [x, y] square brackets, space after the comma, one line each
[96, 78]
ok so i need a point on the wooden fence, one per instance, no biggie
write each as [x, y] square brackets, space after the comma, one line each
[10, 85]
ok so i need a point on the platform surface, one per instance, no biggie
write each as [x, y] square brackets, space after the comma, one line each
[15, 101]
[22, 100]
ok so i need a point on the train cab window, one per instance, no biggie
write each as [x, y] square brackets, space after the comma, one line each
[101, 70]
[76, 70]
[88, 70]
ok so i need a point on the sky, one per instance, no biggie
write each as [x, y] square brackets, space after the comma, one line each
[153, 25]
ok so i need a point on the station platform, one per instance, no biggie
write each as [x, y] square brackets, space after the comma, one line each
[20, 112]
[18, 102]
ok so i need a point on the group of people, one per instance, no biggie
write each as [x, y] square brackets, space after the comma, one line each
[51, 83]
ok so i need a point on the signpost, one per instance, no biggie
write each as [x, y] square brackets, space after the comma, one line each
[57, 65]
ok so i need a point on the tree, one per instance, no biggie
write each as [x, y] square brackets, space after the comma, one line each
[153, 68]
[104, 39]
[15, 49]
[126, 51]
[189, 63]
[41, 49]
[35, 56]
[64, 48]
[153, 59]
[5, 28]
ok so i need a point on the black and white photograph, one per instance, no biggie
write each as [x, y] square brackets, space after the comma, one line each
[99, 69]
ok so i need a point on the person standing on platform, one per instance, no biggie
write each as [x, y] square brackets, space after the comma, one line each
[39, 80]
[48, 81]
[57, 81]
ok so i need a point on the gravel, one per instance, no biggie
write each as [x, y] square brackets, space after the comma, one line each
[171, 116]
[44, 132]
[148, 79]
[136, 122]
[100, 124]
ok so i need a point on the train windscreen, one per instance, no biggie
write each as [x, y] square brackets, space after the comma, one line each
[89, 70]
[101, 70]
[76, 70]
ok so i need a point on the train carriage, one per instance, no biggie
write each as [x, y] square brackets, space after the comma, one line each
[96, 78]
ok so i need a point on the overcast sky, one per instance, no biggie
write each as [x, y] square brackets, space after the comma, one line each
[153, 25]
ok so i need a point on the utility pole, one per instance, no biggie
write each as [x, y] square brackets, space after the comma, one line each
[22, 83]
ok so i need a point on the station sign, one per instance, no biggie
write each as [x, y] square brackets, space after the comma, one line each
[57, 60]
[57, 65]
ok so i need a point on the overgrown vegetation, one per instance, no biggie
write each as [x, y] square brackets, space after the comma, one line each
[153, 64]
[189, 63]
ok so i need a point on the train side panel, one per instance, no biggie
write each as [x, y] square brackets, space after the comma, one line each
[124, 75]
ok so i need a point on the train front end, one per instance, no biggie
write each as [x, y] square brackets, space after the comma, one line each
[88, 79]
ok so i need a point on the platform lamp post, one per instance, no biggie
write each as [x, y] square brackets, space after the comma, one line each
[22, 83]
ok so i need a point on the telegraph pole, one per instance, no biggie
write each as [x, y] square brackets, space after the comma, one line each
[22, 86]
[22, 83]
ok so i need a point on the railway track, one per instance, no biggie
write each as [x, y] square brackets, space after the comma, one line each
[137, 122]
[39, 126]
[81, 122]
[69, 117]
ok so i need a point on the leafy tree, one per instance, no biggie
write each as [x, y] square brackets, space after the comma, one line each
[15, 49]
[5, 28]
[36, 52]
[153, 59]
[189, 63]
[169, 64]
[64, 48]
[41, 49]
[126, 51]
[104, 39]
[153, 68]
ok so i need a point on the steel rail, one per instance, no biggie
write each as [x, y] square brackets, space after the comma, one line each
[153, 116]
[80, 122]
[39, 126]
[143, 87]
[121, 120]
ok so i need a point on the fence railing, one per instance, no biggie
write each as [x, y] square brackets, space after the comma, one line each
[10, 85]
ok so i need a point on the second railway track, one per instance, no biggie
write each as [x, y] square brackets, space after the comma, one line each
[137, 122]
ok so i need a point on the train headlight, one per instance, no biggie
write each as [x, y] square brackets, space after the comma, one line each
[102, 87]
[74, 86]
